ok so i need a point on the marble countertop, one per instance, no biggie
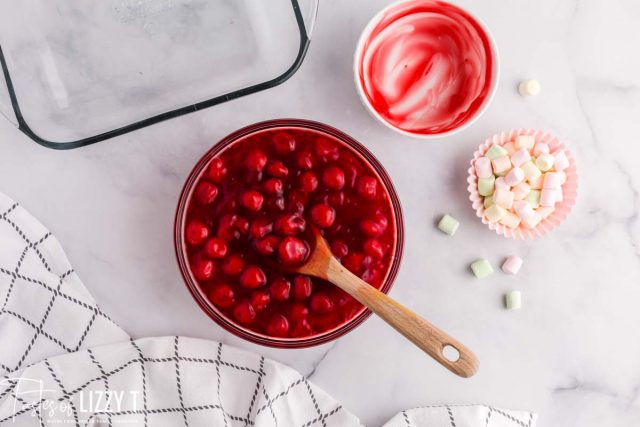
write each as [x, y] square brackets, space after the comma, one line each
[571, 353]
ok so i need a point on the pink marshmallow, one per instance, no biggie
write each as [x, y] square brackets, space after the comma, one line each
[483, 167]
[512, 264]
[548, 197]
[560, 160]
[523, 209]
[500, 183]
[520, 157]
[552, 180]
[503, 198]
[501, 165]
[514, 177]
[540, 148]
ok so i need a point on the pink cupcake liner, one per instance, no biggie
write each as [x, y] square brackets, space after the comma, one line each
[569, 188]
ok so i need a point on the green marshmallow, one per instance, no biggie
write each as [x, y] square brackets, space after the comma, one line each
[496, 151]
[513, 300]
[533, 198]
[486, 185]
[481, 268]
[449, 225]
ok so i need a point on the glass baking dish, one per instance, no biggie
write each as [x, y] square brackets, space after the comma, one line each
[75, 72]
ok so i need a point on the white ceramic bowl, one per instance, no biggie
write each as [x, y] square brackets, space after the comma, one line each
[363, 97]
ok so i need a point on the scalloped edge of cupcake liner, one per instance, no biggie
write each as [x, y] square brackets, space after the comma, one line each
[569, 188]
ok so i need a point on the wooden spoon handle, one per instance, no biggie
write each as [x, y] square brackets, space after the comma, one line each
[431, 339]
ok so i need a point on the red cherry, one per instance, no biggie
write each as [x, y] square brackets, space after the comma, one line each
[206, 193]
[222, 295]
[255, 160]
[260, 300]
[260, 227]
[217, 170]
[252, 200]
[278, 326]
[298, 311]
[371, 276]
[216, 248]
[290, 224]
[244, 312]
[353, 262]
[203, 269]
[292, 250]
[273, 186]
[275, 203]
[339, 248]
[277, 169]
[302, 287]
[371, 228]
[326, 150]
[196, 233]
[227, 227]
[333, 177]
[367, 187]
[267, 245]
[305, 160]
[374, 248]
[253, 277]
[284, 143]
[323, 215]
[233, 265]
[301, 329]
[337, 199]
[308, 182]
[280, 289]
[296, 201]
[321, 303]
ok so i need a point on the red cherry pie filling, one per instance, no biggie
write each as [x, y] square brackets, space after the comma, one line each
[250, 214]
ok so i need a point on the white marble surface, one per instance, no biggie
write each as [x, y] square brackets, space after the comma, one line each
[572, 353]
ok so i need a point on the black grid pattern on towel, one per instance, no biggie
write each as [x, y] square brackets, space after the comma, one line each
[20, 281]
[181, 362]
[499, 416]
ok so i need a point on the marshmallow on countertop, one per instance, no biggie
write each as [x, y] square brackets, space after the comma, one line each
[512, 264]
[513, 300]
[529, 87]
[481, 268]
[448, 225]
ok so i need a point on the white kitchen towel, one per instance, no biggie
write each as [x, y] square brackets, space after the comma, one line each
[64, 362]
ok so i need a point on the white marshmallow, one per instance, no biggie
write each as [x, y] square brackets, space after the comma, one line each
[525, 141]
[529, 88]
[540, 148]
[521, 190]
[514, 177]
[531, 171]
[545, 211]
[544, 162]
[548, 197]
[510, 220]
[561, 162]
[536, 184]
[532, 221]
[521, 156]
[552, 180]
[503, 197]
[500, 183]
[523, 209]
[483, 167]
[494, 213]
[501, 165]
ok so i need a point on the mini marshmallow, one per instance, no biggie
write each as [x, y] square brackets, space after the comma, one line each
[519, 157]
[531, 171]
[514, 177]
[503, 197]
[561, 162]
[563, 177]
[488, 201]
[481, 268]
[510, 220]
[545, 211]
[520, 191]
[533, 198]
[544, 162]
[449, 225]
[500, 183]
[552, 180]
[540, 148]
[536, 184]
[532, 221]
[510, 147]
[525, 141]
[523, 209]
[529, 88]
[512, 264]
[495, 151]
[494, 213]
[486, 185]
[548, 197]
[513, 300]
[483, 167]
[501, 165]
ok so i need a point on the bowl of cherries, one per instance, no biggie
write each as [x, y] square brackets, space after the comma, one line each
[247, 210]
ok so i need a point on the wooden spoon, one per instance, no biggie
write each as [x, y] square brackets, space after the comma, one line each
[423, 334]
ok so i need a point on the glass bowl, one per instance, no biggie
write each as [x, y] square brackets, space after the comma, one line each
[180, 244]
